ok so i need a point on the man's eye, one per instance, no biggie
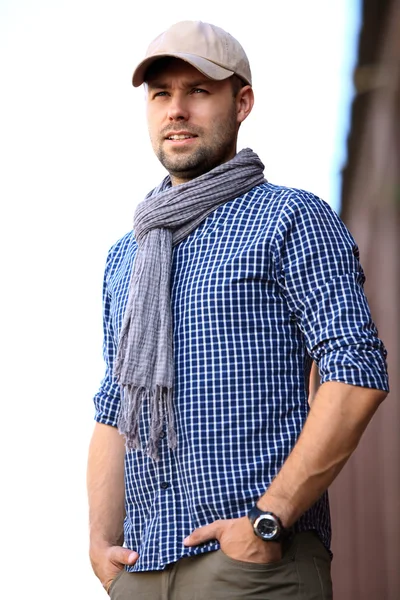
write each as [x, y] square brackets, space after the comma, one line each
[160, 94]
[199, 91]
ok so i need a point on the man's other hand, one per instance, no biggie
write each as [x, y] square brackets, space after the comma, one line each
[237, 540]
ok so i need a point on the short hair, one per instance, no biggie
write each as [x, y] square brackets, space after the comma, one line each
[237, 84]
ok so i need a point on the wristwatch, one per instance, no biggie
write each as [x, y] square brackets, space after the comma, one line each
[267, 525]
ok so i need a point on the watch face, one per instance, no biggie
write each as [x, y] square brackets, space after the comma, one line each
[267, 527]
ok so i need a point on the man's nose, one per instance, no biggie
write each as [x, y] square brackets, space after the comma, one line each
[178, 109]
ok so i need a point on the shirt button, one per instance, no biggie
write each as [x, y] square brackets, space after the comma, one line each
[164, 485]
[162, 435]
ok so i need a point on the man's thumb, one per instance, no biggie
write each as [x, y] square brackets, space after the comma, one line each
[123, 556]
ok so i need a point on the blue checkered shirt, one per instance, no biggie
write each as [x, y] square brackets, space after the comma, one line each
[267, 283]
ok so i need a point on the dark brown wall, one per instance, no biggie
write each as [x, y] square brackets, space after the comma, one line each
[365, 499]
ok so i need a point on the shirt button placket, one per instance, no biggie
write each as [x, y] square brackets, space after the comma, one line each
[165, 498]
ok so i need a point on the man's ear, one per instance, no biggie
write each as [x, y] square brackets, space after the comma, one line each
[244, 103]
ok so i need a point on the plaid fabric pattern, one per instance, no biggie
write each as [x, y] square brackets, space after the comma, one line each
[267, 282]
[144, 366]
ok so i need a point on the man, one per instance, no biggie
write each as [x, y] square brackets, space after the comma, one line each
[215, 307]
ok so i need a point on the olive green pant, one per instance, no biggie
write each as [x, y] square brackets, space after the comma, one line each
[302, 574]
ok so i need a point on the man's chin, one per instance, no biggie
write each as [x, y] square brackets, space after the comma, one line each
[184, 166]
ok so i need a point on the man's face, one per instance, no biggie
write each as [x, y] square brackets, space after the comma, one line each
[193, 121]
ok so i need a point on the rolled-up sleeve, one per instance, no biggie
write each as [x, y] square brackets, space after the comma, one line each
[323, 282]
[107, 399]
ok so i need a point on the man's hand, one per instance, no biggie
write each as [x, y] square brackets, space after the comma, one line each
[237, 540]
[108, 561]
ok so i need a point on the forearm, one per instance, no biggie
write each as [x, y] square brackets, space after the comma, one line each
[105, 486]
[338, 417]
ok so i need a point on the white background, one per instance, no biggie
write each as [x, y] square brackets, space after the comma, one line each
[75, 159]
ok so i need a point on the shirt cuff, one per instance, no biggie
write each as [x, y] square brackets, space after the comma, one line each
[360, 366]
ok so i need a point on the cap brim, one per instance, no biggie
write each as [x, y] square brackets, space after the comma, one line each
[208, 68]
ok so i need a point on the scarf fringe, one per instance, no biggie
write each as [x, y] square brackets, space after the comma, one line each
[161, 410]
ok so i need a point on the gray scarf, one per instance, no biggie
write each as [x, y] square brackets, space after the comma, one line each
[144, 366]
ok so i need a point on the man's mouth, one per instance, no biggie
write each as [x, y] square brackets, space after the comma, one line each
[180, 137]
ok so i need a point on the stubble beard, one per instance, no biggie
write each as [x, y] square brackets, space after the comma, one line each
[187, 165]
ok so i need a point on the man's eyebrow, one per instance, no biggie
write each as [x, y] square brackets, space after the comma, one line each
[160, 84]
[156, 83]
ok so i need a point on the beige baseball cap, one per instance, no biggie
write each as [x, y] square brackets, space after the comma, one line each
[208, 48]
